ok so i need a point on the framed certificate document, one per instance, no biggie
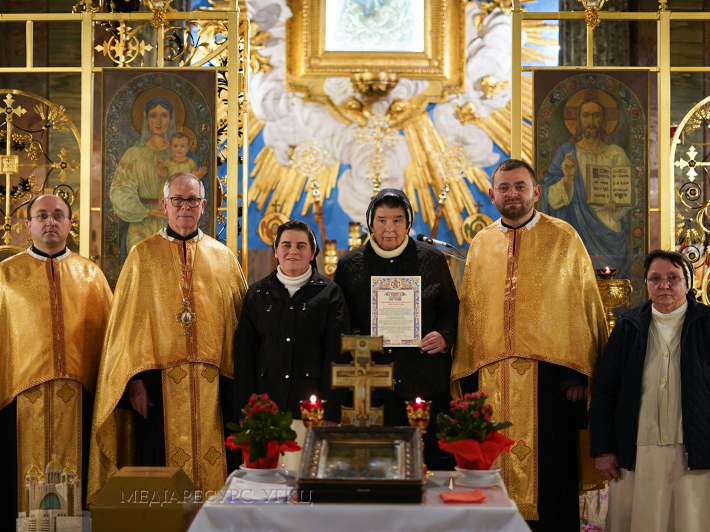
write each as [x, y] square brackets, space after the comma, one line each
[396, 310]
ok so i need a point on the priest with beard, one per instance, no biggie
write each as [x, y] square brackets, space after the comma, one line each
[54, 308]
[168, 349]
[531, 327]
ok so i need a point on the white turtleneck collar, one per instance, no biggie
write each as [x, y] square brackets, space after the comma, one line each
[292, 284]
[389, 254]
[669, 324]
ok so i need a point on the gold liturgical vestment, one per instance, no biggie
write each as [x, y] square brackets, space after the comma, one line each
[53, 315]
[144, 333]
[528, 295]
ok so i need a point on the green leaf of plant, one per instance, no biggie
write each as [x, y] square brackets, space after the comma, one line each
[257, 450]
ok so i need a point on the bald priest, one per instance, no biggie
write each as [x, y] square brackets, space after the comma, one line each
[54, 308]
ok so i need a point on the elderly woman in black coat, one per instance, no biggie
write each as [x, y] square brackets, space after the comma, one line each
[290, 327]
[422, 371]
[650, 407]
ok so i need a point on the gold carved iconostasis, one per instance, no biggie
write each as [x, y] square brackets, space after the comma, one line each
[344, 97]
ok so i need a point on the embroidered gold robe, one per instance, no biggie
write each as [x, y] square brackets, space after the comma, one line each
[53, 315]
[144, 333]
[528, 295]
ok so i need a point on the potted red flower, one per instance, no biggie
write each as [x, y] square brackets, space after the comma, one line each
[264, 434]
[471, 435]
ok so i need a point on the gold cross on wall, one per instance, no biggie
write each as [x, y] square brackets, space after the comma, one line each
[61, 165]
[361, 376]
[691, 163]
[8, 162]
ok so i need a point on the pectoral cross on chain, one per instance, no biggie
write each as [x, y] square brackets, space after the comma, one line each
[361, 376]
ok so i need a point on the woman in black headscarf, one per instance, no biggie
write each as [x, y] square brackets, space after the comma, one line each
[289, 330]
[422, 371]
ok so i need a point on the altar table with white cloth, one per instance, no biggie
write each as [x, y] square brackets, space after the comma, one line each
[496, 514]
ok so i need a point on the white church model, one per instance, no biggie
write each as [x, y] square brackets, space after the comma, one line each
[53, 501]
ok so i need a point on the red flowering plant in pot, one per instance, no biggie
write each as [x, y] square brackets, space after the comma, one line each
[264, 434]
[471, 435]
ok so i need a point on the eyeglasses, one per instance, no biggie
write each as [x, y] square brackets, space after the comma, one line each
[44, 216]
[505, 188]
[672, 280]
[177, 201]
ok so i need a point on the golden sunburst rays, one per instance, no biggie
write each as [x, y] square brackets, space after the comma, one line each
[534, 30]
[497, 124]
[287, 184]
[423, 175]
[535, 34]
[423, 181]
[255, 125]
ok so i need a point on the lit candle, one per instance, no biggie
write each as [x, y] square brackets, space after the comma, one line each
[312, 411]
[312, 403]
[418, 403]
[607, 272]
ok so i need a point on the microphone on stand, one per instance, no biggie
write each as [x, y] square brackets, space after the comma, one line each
[433, 242]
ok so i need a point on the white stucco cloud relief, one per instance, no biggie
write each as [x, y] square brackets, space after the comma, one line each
[290, 120]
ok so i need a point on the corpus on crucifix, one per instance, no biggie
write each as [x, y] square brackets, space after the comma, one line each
[361, 376]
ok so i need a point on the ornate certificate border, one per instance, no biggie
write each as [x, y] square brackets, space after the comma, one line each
[413, 283]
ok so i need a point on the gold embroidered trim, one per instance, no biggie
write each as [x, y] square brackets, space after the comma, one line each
[177, 374]
[212, 455]
[66, 393]
[180, 457]
[521, 365]
[520, 450]
[33, 394]
[210, 373]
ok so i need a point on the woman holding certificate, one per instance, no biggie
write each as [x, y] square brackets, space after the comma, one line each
[289, 330]
[401, 289]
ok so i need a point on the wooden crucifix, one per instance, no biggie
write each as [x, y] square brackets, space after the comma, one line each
[361, 376]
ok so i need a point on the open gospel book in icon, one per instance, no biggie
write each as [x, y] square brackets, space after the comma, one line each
[606, 182]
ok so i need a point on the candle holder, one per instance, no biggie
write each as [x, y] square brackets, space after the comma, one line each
[354, 235]
[607, 273]
[330, 258]
[312, 412]
[418, 416]
[614, 292]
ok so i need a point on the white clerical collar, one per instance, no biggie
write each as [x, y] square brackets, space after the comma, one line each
[529, 225]
[163, 232]
[34, 255]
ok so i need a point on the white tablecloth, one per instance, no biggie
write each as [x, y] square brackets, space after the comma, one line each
[497, 513]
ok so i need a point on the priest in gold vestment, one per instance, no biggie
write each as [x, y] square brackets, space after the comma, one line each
[54, 308]
[168, 349]
[531, 327]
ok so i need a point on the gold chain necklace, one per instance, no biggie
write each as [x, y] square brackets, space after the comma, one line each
[186, 317]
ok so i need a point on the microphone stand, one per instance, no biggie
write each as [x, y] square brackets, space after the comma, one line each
[458, 255]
